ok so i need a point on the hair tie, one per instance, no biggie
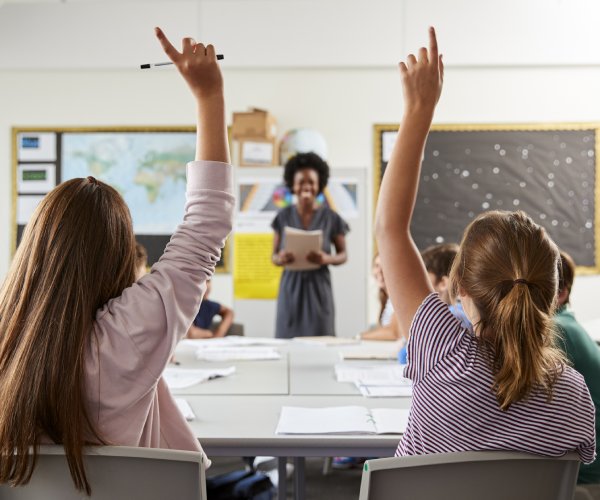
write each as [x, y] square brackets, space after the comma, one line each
[520, 281]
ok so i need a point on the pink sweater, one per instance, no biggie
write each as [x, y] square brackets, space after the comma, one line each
[135, 334]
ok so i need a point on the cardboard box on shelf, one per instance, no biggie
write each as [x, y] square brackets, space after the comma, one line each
[253, 124]
[257, 152]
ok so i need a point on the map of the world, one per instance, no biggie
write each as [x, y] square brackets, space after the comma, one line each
[148, 169]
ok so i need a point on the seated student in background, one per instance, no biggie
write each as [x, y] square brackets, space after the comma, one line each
[200, 328]
[388, 324]
[83, 345]
[583, 353]
[438, 261]
[506, 387]
[141, 261]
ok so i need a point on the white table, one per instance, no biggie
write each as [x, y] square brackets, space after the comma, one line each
[238, 415]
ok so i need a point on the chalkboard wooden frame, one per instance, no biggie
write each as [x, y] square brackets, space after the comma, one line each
[154, 244]
[456, 135]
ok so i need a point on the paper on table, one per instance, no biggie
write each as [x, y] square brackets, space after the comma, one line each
[326, 340]
[237, 353]
[180, 378]
[300, 243]
[231, 341]
[341, 420]
[384, 391]
[185, 408]
[371, 374]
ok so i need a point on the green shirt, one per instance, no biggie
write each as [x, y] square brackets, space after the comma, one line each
[584, 354]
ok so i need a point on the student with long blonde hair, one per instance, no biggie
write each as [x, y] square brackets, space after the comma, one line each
[82, 345]
[507, 387]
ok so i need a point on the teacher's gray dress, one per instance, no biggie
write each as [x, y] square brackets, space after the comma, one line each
[305, 300]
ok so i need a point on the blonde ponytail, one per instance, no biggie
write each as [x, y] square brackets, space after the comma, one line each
[507, 265]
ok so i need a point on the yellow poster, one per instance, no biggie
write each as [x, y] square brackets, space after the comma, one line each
[254, 275]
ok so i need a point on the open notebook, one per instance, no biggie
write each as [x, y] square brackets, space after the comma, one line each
[341, 420]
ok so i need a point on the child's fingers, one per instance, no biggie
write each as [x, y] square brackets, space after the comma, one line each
[210, 52]
[171, 51]
[423, 55]
[411, 60]
[187, 45]
[403, 68]
[441, 66]
[433, 47]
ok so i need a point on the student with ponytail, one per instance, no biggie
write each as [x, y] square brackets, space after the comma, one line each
[82, 344]
[506, 386]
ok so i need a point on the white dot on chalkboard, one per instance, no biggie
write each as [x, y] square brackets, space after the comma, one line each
[457, 204]
[588, 246]
[465, 173]
[529, 170]
[522, 184]
[566, 223]
[496, 147]
[543, 216]
[485, 205]
[525, 152]
[516, 202]
[475, 185]
[550, 184]
[554, 222]
[588, 224]
[439, 239]
[436, 152]
[571, 193]
[563, 145]
[556, 163]
[456, 171]
[471, 213]
[502, 152]
[467, 151]
[489, 196]
[590, 153]
[434, 176]
[550, 175]
[496, 170]
[568, 160]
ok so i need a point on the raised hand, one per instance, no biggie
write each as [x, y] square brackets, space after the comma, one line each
[422, 78]
[197, 64]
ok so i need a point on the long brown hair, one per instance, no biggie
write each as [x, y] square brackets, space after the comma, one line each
[507, 265]
[77, 252]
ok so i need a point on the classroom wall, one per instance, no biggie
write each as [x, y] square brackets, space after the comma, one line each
[493, 74]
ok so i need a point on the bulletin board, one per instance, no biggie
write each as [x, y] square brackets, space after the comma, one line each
[546, 170]
[146, 165]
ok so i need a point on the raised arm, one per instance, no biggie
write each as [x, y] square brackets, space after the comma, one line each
[198, 66]
[403, 268]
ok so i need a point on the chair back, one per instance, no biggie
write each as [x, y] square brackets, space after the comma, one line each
[491, 475]
[115, 473]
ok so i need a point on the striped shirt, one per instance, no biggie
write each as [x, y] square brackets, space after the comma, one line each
[454, 408]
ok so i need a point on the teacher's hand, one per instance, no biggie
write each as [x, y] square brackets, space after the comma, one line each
[320, 257]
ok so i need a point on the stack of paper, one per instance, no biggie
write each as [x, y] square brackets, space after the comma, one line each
[180, 378]
[185, 409]
[237, 353]
[231, 341]
[301, 243]
[341, 420]
[375, 380]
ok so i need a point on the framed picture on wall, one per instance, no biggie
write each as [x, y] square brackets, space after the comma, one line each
[146, 165]
[546, 170]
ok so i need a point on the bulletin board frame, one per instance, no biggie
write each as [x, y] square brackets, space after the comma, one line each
[380, 146]
[154, 243]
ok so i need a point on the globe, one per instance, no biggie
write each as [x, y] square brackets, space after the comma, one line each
[302, 140]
